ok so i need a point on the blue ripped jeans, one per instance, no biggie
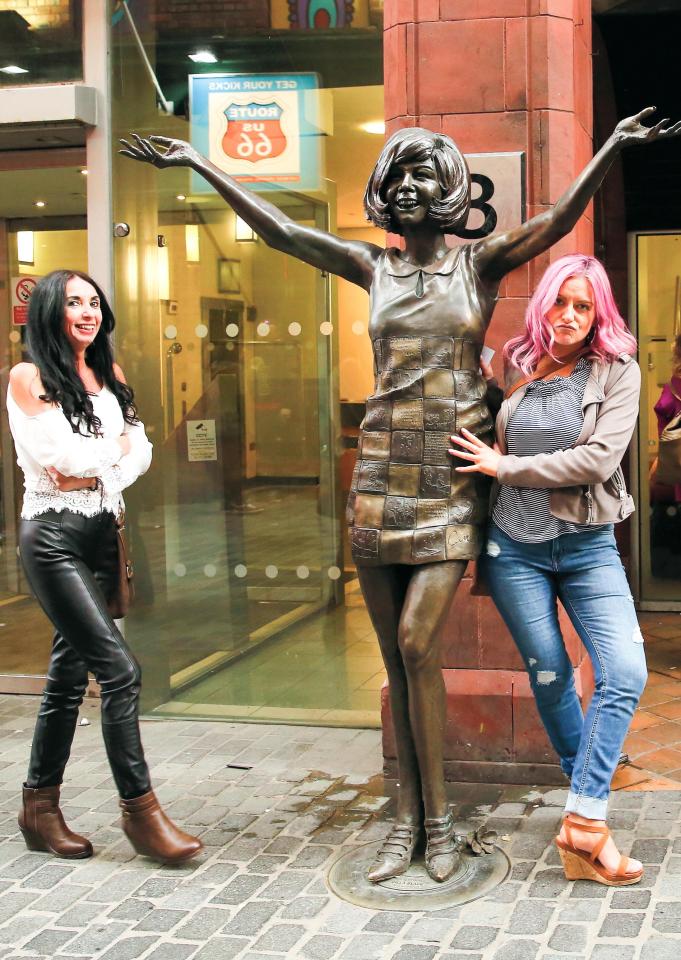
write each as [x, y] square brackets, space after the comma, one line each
[584, 572]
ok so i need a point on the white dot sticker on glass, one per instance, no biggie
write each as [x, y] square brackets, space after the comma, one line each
[271, 571]
[170, 332]
[263, 329]
[359, 328]
[201, 330]
[210, 569]
[302, 572]
[294, 329]
[232, 329]
[179, 570]
[334, 573]
[326, 328]
[240, 570]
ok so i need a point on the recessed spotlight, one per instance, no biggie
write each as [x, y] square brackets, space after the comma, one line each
[12, 68]
[373, 126]
[180, 196]
[203, 56]
[84, 172]
[40, 203]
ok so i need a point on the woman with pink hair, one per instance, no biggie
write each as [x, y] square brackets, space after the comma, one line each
[569, 410]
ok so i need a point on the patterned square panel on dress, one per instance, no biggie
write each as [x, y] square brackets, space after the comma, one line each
[377, 416]
[365, 543]
[373, 476]
[355, 475]
[435, 482]
[405, 383]
[400, 513]
[403, 353]
[431, 513]
[461, 511]
[437, 351]
[403, 479]
[439, 415]
[407, 415]
[436, 448]
[369, 510]
[470, 355]
[396, 546]
[438, 383]
[350, 509]
[407, 446]
[463, 542]
[375, 446]
[468, 385]
[428, 546]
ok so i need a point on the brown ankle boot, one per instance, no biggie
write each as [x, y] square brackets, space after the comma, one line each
[43, 827]
[153, 834]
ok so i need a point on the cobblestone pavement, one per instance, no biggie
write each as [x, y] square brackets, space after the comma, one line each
[274, 806]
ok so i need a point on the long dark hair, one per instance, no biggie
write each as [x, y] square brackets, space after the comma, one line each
[53, 356]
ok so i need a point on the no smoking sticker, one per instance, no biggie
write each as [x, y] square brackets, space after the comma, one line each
[22, 288]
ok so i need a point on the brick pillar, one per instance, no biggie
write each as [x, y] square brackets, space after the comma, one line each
[497, 76]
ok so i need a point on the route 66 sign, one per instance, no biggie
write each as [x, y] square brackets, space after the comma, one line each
[263, 129]
[253, 132]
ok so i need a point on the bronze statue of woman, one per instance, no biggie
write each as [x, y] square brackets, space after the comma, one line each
[415, 522]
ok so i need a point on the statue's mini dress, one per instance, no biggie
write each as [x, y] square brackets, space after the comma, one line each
[407, 503]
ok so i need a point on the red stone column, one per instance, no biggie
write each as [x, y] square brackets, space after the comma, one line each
[497, 75]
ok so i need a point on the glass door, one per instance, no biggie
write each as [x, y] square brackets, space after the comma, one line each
[656, 268]
[42, 228]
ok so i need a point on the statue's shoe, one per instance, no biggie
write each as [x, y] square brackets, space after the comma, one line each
[395, 855]
[442, 852]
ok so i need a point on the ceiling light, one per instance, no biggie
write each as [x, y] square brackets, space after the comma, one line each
[12, 68]
[25, 247]
[373, 126]
[84, 172]
[40, 203]
[180, 196]
[203, 56]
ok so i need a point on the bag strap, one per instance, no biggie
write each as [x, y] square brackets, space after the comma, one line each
[546, 367]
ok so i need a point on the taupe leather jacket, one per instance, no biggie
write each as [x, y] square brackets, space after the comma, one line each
[586, 482]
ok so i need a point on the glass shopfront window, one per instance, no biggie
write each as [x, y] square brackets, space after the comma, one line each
[250, 368]
[40, 42]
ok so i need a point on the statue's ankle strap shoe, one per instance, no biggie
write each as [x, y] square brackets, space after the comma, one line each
[153, 834]
[395, 855]
[442, 852]
[42, 825]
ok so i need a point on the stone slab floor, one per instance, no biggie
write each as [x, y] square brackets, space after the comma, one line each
[275, 805]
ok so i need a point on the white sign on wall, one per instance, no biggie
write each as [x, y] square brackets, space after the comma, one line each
[201, 440]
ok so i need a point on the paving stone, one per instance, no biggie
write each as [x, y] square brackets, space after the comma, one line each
[312, 856]
[622, 925]
[131, 909]
[611, 951]
[161, 920]
[579, 910]
[20, 928]
[304, 908]
[80, 915]
[129, 948]
[215, 875]
[548, 884]
[286, 845]
[522, 869]
[240, 889]
[630, 898]
[530, 917]
[414, 951]
[568, 937]
[98, 937]
[661, 948]
[281, 938]
[649, 851]
[251, 918]
[388, 921]
[13, 903]
[588, 890]
[172, 951]
[516, 950]
[473, 938]
[667, 917]
[203, 924]
[430, 929]
[320, 947]
[49, 941]
[286, 886]
[47, 877]
[220, 948]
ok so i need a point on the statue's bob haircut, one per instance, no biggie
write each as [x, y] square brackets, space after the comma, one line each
[415, 145]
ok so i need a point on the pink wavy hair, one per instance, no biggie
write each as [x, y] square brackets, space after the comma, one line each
[610, 335]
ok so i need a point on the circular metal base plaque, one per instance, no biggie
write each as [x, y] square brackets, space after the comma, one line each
[415, 890]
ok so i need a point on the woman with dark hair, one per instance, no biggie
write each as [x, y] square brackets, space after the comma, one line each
[414, 522]
[570, 408]
[79, 443]
[665, 498]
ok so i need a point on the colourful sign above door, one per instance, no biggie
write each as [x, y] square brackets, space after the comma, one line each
[262, 129]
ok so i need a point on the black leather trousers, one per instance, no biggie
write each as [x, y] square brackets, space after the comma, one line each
[71, 562]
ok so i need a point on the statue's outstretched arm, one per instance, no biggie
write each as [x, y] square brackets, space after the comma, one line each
[353, 260]
[497, 255]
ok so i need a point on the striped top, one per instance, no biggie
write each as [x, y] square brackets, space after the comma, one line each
[548, 418]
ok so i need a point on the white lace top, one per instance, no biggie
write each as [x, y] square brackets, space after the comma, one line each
[47, 440]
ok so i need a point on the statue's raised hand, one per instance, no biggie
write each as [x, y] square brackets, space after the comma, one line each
[174, 153]
[631, 130]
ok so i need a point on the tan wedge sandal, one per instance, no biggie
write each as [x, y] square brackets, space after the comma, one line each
[582, 865]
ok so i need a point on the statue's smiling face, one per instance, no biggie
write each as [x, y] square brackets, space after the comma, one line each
[410, 189]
